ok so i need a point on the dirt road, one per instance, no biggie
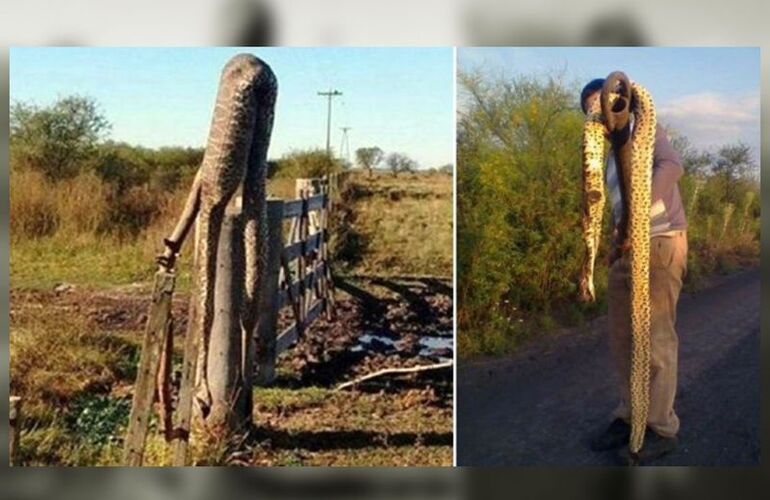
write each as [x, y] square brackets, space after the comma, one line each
[541, 405]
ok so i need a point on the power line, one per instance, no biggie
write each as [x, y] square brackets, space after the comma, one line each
[330, 94]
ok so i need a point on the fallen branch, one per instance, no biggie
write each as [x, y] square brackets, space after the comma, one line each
[388, 371]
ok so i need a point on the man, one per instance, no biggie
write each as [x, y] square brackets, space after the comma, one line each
[668, 265]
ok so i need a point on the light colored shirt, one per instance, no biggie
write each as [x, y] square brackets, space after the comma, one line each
[666, 209]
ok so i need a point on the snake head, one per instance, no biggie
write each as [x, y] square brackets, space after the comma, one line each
[168, 258]
[616, 101]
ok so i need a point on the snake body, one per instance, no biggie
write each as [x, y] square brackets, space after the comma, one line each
[634, 156]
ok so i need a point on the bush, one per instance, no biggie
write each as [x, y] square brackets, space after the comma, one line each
[122, 166]
[519, 201]
[133, 211]
[303, 164]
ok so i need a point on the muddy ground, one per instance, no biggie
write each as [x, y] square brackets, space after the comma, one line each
[378, 323]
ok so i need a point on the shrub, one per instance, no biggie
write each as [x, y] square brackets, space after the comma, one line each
[308, 163]
[132, 211]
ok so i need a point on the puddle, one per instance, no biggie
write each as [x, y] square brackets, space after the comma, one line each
[435, 347]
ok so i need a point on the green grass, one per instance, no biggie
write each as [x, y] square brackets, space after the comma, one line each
[403, 224]
[99, 263]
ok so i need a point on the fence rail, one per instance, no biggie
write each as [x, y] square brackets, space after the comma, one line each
[298, 272]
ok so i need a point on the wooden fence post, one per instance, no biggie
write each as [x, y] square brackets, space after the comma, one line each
[183, 414]
[327, 288]
[15, 430]
[229, 398]
[158, 328]
[269, 304]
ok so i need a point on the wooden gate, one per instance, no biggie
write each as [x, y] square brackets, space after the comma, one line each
[298, 271]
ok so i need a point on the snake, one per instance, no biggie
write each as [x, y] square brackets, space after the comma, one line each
[610, 118]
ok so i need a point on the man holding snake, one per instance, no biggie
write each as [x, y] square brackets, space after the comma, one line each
[668, 265]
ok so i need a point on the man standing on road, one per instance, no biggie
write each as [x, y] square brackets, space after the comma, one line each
[668, 265]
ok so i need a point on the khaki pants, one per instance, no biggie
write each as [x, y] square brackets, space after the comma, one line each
[668, 265]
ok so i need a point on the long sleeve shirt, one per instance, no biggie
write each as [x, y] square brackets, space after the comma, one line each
[666, 210]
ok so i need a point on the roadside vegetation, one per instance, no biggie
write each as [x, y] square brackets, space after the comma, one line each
[519, 207]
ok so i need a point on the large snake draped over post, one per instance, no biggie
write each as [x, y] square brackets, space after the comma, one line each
[235, 152]
[610, 117]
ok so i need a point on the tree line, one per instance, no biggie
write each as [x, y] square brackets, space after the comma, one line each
[64, 150]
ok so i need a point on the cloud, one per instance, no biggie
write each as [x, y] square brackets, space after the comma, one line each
[710, 119]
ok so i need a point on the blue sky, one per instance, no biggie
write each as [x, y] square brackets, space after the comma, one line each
[709, 94]
[400, 99]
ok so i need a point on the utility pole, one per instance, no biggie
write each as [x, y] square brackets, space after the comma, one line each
[329, 94]
[345, 144]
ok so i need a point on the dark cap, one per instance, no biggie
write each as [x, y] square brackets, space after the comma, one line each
[591, 87]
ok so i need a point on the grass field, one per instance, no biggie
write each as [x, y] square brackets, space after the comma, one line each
[399, 225]
[74, 348]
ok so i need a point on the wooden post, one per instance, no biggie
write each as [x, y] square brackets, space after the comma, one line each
[302, 230]
[15, 430]
[267, 325]
[183, 420]
[157, 329]
[305, 188]
[225, 373]
[327, 286]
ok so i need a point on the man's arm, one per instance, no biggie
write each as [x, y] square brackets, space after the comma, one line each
[666, 167]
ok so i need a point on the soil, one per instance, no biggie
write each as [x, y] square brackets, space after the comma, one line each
[396, 318]
[377, 323]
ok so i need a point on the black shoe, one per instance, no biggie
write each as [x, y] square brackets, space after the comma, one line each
[614, 436]
[655, 446]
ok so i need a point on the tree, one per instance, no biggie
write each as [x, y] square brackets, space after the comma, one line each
[694, 161]
[399, 162]
[446, 169]
[519, 198]
[58, 139]
[368, 158]
[734, 161]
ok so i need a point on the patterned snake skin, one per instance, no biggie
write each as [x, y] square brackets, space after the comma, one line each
[235, 156]
[634, 157]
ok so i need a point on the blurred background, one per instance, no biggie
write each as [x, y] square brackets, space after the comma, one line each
[396, 22]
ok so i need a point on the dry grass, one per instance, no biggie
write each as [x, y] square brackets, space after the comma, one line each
[59, 229]
[56, 355]
[40, 207]
[74, 373]
[403, 224]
